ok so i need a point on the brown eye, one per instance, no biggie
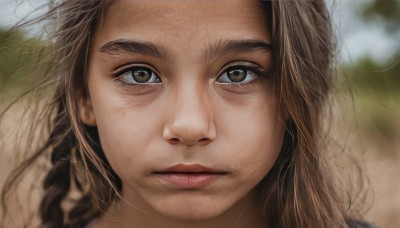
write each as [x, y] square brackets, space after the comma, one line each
[140, 76]
[237, 75]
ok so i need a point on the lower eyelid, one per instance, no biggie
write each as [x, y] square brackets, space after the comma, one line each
[137, 89]
[238, 85]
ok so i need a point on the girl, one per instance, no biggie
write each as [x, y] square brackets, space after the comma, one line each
[187, 114]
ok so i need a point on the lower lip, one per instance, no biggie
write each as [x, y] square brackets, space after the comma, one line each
[189, 180]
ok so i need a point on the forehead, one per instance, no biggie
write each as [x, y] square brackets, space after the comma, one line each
[182, 22]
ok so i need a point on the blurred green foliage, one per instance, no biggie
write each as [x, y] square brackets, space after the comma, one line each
[386, 11]
[369, 77]
[375, 85]
[17, 59]
[375, 89]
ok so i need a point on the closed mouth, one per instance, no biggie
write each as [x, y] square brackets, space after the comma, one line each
[189, 176]
[190, 169]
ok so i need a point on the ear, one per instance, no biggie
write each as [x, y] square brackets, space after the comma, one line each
[86, 112]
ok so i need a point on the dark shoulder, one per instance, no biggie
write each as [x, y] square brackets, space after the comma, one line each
[352, 223]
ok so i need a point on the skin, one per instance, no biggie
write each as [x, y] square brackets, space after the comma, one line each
[189, 115]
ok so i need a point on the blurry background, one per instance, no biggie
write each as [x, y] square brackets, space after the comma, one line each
[369, 67]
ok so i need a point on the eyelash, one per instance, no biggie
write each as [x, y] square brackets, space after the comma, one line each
[248, 67]
[119, 74]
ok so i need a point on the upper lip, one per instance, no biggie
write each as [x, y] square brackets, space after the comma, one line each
[191, 168]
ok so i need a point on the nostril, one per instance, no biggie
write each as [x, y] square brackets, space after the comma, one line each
[204, 140]
[174, 140]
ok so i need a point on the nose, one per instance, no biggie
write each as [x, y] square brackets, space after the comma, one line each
[190, 121]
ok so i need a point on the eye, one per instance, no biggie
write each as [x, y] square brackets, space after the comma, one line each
[237, 75]
[139, 75]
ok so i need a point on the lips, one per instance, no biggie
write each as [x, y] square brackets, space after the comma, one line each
[189, 176]
[195, 168]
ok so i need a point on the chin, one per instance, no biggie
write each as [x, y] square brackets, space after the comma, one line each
[192, 209]
[192, 215]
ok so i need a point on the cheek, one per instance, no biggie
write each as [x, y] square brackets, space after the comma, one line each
[260, 150]
[126, 134]
[255, 139]
[114, 135]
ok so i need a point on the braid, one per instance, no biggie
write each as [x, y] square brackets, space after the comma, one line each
[89, 206]
[83, 212]
[57, 182]
[56, 187]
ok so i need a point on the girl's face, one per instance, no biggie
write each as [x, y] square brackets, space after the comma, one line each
[183, 100]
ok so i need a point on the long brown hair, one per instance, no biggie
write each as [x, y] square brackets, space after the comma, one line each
[299, 191]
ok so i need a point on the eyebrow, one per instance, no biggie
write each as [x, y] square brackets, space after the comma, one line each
[218, 49]
[131, 46]
[231, 46]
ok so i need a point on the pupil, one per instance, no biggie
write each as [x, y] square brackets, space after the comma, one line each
[237, 75]
[141, 76]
